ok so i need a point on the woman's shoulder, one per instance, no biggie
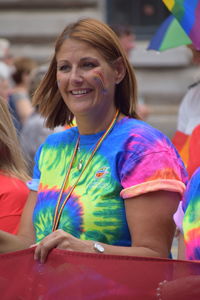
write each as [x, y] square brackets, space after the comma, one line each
[63, 136]
[142, 139]
[192, 95]
[129, 122]
[138, 129]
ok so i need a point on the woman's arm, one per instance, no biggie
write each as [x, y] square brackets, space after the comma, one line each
[150, 221]
[25, 236]
[151, 225]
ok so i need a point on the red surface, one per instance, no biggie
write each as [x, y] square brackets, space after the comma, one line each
[78, 276]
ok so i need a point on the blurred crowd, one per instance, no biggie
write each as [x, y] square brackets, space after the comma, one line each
[19, 78]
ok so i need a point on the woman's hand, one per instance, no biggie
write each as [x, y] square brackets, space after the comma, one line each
[61, 240]
[181, 289]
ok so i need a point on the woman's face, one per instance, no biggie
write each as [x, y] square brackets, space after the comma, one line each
[85, 80]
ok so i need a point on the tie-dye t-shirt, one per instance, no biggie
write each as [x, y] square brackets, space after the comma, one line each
[133, 159]
[191, 220]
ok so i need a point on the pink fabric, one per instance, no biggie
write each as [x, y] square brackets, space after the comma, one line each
[152, 186]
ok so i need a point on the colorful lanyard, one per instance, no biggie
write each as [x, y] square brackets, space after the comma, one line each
[59, 208]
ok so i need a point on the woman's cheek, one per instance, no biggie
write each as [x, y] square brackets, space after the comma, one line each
[58, 83]
[97, 79]
[61, 81]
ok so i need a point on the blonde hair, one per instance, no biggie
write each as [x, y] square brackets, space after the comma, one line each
[11, 159]
[101, 37]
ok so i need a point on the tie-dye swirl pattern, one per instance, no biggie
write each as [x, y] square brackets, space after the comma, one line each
[191, 220]
[133, 159]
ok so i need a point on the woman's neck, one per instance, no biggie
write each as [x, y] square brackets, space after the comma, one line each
[94, 123]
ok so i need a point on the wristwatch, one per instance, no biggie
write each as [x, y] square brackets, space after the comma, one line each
[98, 247]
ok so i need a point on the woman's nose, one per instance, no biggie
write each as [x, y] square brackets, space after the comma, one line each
[76, 76]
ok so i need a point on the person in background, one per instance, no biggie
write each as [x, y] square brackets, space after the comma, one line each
[128, 42]
[5, 54]
[187, 219]
[19, 99]
[186, 140]
[189, 110]
[194, 150]
[188, 120]
[112, 183]
[13, 189]
[4, 81]
[34, 132]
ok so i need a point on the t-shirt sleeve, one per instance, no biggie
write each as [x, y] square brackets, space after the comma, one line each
[34, 182]
[154, 169]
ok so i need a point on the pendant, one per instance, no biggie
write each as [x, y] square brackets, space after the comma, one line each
[80, 165]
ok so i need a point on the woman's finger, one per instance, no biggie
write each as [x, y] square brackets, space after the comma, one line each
[47, 244]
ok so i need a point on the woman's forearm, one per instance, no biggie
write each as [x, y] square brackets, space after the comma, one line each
[133, 251]
[10, 242]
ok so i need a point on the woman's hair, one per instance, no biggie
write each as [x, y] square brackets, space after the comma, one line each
[11, 159]
[101, 37]
[22, 65]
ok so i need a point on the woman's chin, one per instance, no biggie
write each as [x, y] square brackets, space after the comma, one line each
[82, 108]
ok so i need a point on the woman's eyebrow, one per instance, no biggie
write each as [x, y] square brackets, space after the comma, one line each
[87, 58]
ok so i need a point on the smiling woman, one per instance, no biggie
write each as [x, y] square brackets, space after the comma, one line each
[87, 83]
[111, 184]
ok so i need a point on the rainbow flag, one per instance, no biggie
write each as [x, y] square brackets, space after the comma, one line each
[187, 12]
[169, 35]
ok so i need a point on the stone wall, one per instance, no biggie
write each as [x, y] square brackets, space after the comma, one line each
[33, 25]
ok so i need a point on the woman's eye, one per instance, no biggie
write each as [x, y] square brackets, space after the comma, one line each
[89, 65]
[64, 68]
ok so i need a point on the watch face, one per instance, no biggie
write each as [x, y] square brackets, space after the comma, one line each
[98, 247]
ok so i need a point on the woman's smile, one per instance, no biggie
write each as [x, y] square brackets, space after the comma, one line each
[81, 92]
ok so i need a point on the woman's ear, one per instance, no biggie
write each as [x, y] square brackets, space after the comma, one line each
[119, 70]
